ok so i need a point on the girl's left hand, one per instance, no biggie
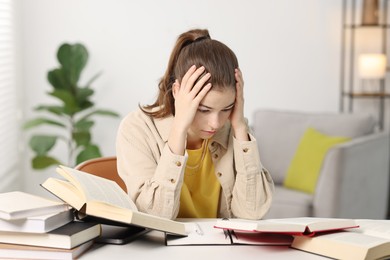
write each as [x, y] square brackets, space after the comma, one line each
[237, 118]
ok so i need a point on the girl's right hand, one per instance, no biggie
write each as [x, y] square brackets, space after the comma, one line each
[188, 96]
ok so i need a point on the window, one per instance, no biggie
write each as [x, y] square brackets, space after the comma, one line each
[9, 127]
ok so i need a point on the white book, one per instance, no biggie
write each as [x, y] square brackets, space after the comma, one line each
[18, 204]
[9, 251]
[368, 242]
[38, 224]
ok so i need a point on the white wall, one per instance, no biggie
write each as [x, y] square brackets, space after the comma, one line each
[288, 52]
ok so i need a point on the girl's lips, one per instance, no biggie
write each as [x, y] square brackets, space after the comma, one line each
[209, 132]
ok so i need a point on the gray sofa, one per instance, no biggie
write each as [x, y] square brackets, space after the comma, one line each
[354, 178]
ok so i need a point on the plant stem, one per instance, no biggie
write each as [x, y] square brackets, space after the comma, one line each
[70, 141]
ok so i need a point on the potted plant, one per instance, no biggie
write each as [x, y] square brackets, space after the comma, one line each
[71, 117]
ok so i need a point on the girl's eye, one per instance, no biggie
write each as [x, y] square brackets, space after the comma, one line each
[228, 109]
[203, 110]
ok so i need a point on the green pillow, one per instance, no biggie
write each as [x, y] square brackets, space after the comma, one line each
[306, 164]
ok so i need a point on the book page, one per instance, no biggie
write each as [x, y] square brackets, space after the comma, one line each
[266, 225]
[277, 222]
[301, 220]
[98, 188]
[318, 224]
[304, 225]
[377, 228]
[200, 233]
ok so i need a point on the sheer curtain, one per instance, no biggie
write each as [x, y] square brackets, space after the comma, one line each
[9, 126]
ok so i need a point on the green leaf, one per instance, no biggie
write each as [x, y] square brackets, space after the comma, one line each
[41, 121]
[90, 152]
[58, 80]
[83, 125]
[101, 112]
[42, 162]
[82, 98]
[41, 144]
[57, 110]
[73, 59]
[83, 94]
[70, 103]
[82, 138]
[86, 105]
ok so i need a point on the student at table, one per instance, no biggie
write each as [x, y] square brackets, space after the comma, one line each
[191, 153]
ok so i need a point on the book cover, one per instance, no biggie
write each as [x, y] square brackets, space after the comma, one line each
[8, 251]
[66, 237]
[18, 204]
[99, 197]
[38, 224]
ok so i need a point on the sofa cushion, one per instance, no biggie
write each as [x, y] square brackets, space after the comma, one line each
[288, 203]
[306, 164]
[278, 133]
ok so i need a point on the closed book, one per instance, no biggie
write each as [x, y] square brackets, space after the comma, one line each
[67, 236]
[368, 242]
[38, 224]
[12, 251]
[18, 204]
[95, 196]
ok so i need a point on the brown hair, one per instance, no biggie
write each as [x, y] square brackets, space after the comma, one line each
[194, 47]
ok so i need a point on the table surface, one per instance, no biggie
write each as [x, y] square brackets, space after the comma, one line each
[152, 246]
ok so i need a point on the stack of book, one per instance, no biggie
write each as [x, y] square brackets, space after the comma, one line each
[34, 227]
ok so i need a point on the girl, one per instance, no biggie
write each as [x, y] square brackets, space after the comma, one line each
[190, 154]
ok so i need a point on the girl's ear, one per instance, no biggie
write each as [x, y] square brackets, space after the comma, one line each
[175, 88]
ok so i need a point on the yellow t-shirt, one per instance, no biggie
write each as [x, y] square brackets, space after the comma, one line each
[199, 196]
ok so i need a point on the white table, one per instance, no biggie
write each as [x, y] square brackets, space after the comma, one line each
[152, 246]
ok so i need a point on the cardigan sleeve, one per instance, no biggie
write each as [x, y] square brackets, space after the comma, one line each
[254, 187]
[152, 173]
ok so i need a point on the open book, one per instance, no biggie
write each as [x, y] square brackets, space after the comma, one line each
[294, 226]
[202, 232]
[370, 241]
[103, 198]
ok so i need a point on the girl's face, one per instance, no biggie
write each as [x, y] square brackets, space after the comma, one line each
[213, 112]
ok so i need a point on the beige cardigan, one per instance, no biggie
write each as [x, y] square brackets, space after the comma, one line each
[154, 175]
